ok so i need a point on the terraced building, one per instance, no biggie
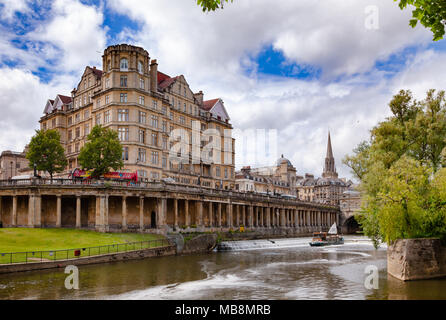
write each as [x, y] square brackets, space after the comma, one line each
[152, 113]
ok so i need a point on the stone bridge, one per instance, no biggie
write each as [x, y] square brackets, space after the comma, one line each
[154, 207]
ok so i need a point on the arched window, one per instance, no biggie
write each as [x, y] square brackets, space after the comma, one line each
[140, 67]
[124, 65]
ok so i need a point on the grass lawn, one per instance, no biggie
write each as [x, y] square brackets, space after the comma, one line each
[29, 240]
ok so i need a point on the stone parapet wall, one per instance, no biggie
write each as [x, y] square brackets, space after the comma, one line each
[416, 259]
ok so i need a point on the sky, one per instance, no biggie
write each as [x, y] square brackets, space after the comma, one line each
[296, 68]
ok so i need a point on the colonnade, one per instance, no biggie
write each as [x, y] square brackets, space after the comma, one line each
[168, 213]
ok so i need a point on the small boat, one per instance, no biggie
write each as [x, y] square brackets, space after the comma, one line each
[329, 238]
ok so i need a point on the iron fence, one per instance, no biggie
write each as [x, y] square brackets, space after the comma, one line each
[67, 254]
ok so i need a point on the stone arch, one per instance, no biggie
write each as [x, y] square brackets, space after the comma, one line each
[350, 226]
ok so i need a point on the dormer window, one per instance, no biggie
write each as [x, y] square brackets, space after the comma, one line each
[140, 67]
[124, 66]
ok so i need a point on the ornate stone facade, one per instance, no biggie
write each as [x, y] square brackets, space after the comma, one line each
[278, 179]
[12, 164]
[329, 188]
[144, 106]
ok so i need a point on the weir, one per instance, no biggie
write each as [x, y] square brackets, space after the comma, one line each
[262, 244]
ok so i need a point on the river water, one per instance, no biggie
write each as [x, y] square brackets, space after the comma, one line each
[286, 269]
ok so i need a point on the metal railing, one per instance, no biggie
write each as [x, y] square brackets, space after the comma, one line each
[67, 254]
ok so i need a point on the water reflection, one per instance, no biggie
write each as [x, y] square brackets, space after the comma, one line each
[292, 272]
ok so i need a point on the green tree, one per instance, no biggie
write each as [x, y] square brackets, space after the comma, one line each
[46, 152]
[101, 152]
[430, 13]
[359, 162]
[211, 5]
[401, 172]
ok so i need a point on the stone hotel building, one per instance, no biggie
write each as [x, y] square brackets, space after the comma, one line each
[145, 106]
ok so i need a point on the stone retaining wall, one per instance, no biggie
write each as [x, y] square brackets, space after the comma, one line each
[122, 256]
[416, 259]
[201, 244]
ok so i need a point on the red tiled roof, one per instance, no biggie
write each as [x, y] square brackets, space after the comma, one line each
[51, 101]
[164, 81]
[162, 77]
[209, 104]
[65, 99]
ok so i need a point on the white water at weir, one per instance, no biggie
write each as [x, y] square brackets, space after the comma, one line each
[262, 244]
[279, 243]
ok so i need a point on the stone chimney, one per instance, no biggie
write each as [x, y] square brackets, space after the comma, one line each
[199, 97]
[154, 76]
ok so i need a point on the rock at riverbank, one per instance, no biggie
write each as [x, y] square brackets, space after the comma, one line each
[416, 259]
[200, 244]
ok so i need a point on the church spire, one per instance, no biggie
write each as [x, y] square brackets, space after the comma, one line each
[329, 149]
[329, 169]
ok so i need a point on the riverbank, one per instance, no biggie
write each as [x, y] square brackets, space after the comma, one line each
[33, 239]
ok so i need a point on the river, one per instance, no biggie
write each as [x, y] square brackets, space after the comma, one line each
[287, 269]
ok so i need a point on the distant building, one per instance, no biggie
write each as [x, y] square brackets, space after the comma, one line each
[278, 179]
[12, 164]
[326, 190]
[350, 205]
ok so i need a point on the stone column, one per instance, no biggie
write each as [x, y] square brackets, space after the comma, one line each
[186, 213]
[175, 217]
[229, 215]
[219, 214]
[124, 213]
[282, 217]
[200, 214]
[251, 216]
[106, 225]
[161, 214]
[319, 221]
[268, 217]
[244, 216]
[211, 214]
[98, 214]
[34, 210]
[296, 218]
[262, 213]
[237, 217]
[59, 211]
[141, 214]
[337, 219]
[78, 212]
[256, 216]
[102, 213]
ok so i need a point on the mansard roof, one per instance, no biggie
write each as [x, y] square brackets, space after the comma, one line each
[209, 104]
[216, 108]
[57, 103]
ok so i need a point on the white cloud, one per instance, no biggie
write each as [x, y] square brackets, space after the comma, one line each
[73, 36]
[10, 7]
[214, 51]
[22, 99]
